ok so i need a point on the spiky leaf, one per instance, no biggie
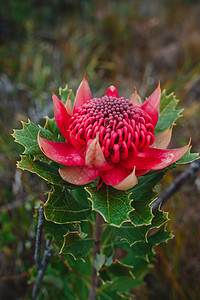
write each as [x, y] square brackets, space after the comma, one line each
[112, 204]
[81, 196]
[105, 293]
[27, 137]
[188, 157]
[162, 235]
[137, 242]
[51, 126]
[131, 233]
[44, 170]
[139, 256]
[168, 112]
[61, 207]
[58, 231]
[64, 93]
[76, 245]
[115, 269]
[99, 261]
[142, 195]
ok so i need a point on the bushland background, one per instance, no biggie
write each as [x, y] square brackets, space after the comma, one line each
[46, 44]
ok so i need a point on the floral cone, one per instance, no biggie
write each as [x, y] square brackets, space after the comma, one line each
[110, 137]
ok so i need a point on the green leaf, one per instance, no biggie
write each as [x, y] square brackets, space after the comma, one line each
[161, 235]
[51, 126]
[61, 207]
[111, 291]
[160, 218]
[141, 268]
[27, 137]
[188, 157]
[82, 268]
[68, 239]
[116, 269]
[119, 268]
[139, 249]
[145, 183]
[137, 256]
[58, 231]
[76, 245]
[81, 196]
[126, 296]
[44, 170]
[168, 112]
[105, 293]
[64, 93]
[53, 281]
[137, 236]
[99, 261]
[142, 215]
[142, 195]
[112, 204]
[132, 233]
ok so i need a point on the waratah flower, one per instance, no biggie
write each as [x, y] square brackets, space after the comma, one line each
[110, 137]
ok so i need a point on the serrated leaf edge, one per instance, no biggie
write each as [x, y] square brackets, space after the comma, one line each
[64, 242]
[29, 170]
[51, 192]
[183, 163]
[179, 111]
[15, 130]
[153, 227]
[128, 220]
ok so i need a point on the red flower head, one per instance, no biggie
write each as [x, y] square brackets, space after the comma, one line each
[110, 137]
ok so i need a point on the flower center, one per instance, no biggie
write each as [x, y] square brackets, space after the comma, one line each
[121, 125]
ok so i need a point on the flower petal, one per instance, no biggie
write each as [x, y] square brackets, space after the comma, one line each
[61, 116]
[162, 139]
[94, 156]
[79, 147]
[68, 105]
[83, 94]
[151, 105]
[78, 175]
[62, 153]
[154, 159]
[141, 172]
[129, 182]
[112, 92]
[115, 175]
[135, 98]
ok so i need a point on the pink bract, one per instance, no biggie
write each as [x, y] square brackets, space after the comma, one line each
[109, 137]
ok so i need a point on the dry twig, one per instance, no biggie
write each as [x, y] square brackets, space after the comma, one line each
[41, 265]
[188, 176]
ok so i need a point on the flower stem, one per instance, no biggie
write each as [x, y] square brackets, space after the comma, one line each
[95, 281]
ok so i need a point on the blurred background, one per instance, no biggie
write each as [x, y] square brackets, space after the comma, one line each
[46, 44]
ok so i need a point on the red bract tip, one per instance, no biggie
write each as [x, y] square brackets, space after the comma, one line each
[112, 92]
[83, 94]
